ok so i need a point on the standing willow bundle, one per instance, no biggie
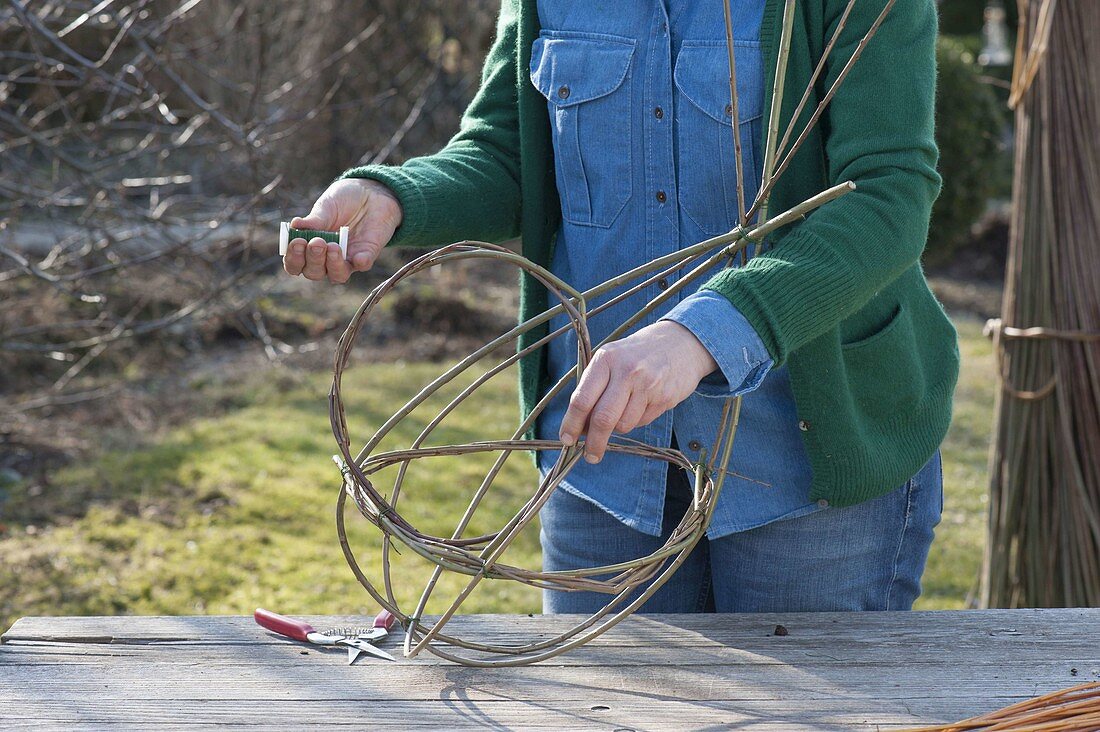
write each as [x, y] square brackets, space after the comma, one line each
[1044, 545]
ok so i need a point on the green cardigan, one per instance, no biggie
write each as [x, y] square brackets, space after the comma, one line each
[840, 297]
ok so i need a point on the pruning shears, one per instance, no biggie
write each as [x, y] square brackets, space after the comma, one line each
[357, 643]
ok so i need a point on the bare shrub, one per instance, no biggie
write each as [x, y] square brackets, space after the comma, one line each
[147, 149]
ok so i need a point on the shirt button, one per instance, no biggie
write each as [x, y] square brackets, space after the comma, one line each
[662, 283]
[823, 503]
[695, 445]
[803, 425]
[658, 112]
[563, 92]
[661, 197]
[729, 110]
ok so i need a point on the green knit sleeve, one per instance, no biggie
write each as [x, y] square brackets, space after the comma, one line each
[469, 189]
[878, 134]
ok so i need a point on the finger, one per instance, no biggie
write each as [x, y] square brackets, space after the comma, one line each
[584, 398]
[605, 415]
[362, 253]
[338, 268]
[362, 261]
[315, 259]
[652, 412]
[632, 414]
[322, 216]
[367, 241]
[295, 260]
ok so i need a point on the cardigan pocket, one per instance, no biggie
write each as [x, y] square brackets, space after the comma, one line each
[704, 122]
[883, 372]
[582, 76]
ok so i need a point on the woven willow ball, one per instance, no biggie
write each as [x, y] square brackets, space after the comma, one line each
[481, 557]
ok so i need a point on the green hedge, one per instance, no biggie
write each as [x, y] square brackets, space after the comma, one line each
[969, 122]
[958, 17]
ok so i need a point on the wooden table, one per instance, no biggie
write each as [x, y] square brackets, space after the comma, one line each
[658, 672]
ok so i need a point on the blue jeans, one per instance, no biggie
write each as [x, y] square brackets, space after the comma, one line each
[864, 557]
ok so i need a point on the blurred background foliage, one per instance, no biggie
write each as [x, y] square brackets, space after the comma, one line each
[964, 17]
[148, 150]
[970, 133]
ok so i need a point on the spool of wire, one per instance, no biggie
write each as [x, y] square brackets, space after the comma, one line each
[288, 233]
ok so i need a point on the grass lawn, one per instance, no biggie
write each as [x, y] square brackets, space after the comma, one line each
[951, 577]
[236, 511]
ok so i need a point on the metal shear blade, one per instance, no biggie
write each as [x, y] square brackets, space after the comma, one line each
[357, 647]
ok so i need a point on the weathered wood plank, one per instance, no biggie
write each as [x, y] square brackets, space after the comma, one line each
[452, 711]
[1081, 656]
[332, 680]
[666, 630]
[967, 636]
[832, 671]
[885, 638]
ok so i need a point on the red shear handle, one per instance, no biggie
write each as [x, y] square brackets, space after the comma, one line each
[281, 624]
[384, 619]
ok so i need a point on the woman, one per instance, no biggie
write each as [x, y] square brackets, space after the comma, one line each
[604, 139]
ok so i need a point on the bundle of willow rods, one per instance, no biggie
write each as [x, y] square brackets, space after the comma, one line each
[1044, 544]
[1076, 709]
[627, 584]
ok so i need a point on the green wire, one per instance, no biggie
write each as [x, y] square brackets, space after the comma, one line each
[307, 234]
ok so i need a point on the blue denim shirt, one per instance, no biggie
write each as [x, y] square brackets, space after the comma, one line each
[638, 98]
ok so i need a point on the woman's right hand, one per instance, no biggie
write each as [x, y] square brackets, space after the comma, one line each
[371, 212]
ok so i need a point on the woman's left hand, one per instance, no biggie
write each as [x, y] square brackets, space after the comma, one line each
[631, 382]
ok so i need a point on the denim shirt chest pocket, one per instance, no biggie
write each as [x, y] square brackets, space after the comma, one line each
[585, 78]
[704, 122]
